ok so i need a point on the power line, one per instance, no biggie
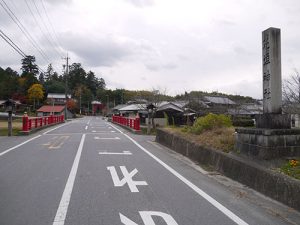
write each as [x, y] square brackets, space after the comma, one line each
[36, 21]
[52, 27]
[43, 22]
[24, 30]
[15, 47]
[11, 43]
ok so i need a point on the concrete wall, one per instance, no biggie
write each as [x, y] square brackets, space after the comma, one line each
[275, 185]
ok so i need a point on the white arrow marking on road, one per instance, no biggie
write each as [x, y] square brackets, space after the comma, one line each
[147, 218]
[115, 138]
[199, 191]
[116, 153]
[127, 178]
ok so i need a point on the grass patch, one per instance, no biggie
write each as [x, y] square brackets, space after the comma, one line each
[144, 131]
[218, 138]
[291, 168]
[16, 124]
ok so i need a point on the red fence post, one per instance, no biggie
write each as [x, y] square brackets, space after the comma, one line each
[137, 120]
[29, 124]
[25, 123]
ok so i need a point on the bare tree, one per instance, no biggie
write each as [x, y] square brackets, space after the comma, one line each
[291, 93]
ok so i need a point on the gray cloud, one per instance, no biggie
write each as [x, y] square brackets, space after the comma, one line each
[141, 3]
[56, 2]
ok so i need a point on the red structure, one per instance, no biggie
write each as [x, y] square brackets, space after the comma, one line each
[133, 123]
[38, 122]
[97, 107]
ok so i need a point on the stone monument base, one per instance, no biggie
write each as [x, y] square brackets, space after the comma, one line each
[273, 121]
[268, 143]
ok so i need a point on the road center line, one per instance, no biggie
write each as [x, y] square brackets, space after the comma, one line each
[62, 210]
[17, 146]
[199, 191]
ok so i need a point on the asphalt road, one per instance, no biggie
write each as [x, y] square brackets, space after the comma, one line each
[90, 172]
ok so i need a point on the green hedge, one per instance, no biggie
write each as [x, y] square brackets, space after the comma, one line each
[209, 122]
[243, 122]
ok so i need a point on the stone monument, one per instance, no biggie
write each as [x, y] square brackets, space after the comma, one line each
[273, 136]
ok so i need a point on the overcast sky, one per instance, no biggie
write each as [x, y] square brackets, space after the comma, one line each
[211, 45]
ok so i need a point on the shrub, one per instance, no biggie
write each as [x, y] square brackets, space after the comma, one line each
[209, 122]
[243, 123]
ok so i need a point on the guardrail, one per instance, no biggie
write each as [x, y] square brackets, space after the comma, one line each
[133, 123]
[31, 123]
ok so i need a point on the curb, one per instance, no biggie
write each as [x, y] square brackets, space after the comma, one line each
[270, 183]
[128, 128]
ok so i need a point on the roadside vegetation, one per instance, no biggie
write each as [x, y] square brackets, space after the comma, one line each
[215, 131]
[291, 168]
[16, 124]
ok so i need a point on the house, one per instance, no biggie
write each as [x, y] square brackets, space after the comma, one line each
[219, 104]
[249, 109]
[57, 98]
[294, 110]
[48, 110]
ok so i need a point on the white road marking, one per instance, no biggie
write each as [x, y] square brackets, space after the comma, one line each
[126, 179]
[98, 132]
[115, 138]
[94, 131]
[86, 127]
[113, 131]
[147, 218]
[56, 128]
[65, 199]
[17, 146]
[115, 153]
[199, 191]
[88, 122]
[58, 142]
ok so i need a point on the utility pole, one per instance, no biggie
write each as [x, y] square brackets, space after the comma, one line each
[66, 84]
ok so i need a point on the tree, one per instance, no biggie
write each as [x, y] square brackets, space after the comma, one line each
[76, 76]
[29, 66]
[35, 92]
[71, 105]
[84, 96]
[49, 73]
[42, 78]
[9, 83]
[291, 94]
[291, 89]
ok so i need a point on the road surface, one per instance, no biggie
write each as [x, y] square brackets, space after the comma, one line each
[91, 172]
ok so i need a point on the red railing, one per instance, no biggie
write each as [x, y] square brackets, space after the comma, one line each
[133, 123]
[30, 123]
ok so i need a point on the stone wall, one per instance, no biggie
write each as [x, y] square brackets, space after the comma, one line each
[272, 184]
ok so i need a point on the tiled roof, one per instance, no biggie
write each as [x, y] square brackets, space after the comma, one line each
[51, 108]
[219, 100]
